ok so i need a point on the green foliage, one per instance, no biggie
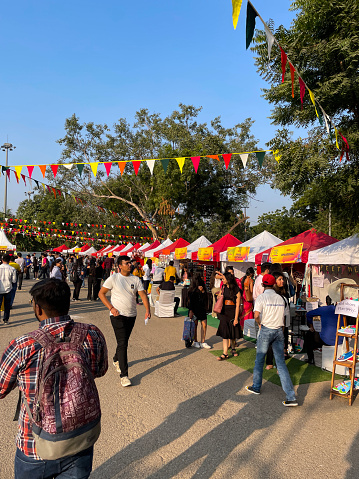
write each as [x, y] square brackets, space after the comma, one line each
[179, 203]
[282, 223]
[323, 44]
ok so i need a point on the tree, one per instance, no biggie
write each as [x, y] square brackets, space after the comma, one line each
[174, 201]
[323, 44]
[282, 223]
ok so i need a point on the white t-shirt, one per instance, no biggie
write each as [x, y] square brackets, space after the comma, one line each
[272, 309]
[123, 292]
[258, 288]
[147, 271]
[158, 275]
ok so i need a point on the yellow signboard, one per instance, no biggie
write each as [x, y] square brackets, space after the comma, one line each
[291, 253]
[181, 253]
[205, 254]
[238, 254]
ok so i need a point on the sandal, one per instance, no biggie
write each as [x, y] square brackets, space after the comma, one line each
[234, 352]
[223, 357]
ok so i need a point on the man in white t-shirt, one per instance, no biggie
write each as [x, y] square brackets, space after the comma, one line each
[269, 311]
[123, 310]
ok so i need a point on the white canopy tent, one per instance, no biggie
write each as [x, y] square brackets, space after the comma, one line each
[259, 243]
[88, 251]
[5, 243]
[112, 249]
[201, 242]
[342, 252]
[149, 254]
[72, 250]
[144, 246]
[126, 248]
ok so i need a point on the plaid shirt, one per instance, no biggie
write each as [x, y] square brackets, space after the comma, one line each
[20, 363]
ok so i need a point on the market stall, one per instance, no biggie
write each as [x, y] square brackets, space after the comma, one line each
[91, 251]
[60, 249]
[336, 261]
[150, 253]
[243, 256]
[5, 245]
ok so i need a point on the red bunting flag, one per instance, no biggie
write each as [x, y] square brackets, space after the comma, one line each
[345, 148]
[54, 169]
[136, 166]
[54, 191]
[108, 168]
[23, 178]
[30, 169]
[302, 90]
[17, 178]
[195, 161]
[227, 158]
[8, 174]
[283, 57]
[292, 70]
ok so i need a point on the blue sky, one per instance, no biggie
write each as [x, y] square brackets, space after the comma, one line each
[105, 60]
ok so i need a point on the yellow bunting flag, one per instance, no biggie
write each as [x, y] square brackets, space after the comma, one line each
[44, 187]
[276, 155]
[236, 9]
[122, 165]
[94, 168]
[311, 94]
[336, 138]
[18, 170]
[180, 162]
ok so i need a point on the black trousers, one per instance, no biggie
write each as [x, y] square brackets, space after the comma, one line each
[96, 288]
[312, 340]
[91, 283]
[177, 301]
[20, 277]
[44, 272]
[77, 286]
[122, 327]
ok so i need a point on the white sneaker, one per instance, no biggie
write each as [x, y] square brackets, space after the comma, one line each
[196, 344]
[125, 382]
[205, 346]
[117, 366]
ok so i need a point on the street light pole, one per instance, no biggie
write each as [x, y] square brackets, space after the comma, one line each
[6, 147]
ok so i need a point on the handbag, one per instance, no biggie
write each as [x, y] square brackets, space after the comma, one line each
[74, 276]
[219, 305]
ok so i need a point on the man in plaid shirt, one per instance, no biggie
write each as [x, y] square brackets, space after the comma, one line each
[19, 367]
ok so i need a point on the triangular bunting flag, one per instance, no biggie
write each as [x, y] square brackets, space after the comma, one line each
[292, 70]
[283, 58]
[44, 186]
[122, 166]
[227, 158]
[277, 155]
[54, 169]
[136, 166]
[336, 139]
[244, 159]
[54, 191]
[195, 161]
[236, 9]
[18, 170]
[270, 39]
[43, 170]
[250, 24]
[151, 164]
[37, 184]
[260, 157]
[94, 168]
[108, 168]
[325, 119]
[311, 95]
[214, 157]
[180, 162]
[80, 168]
[23, 179]
[17, 178]
[68, 166]
[301, 90]
[30, 169]
[165, 163]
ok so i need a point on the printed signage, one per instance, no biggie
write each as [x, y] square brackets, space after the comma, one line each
[181, 253]
[291, 253]
[205, 254]
[238, 254]
[347, 307]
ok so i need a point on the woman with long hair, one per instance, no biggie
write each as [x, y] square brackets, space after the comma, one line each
[247, 295]
[77, 275]
[198, 298]
[229, 328]
[55, 270]
[147, 270]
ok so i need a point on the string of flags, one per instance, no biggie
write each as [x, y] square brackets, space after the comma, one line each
[303, 87]
[226, 157]
[62, 194]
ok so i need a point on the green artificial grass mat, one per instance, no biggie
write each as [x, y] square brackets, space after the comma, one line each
[300, 372]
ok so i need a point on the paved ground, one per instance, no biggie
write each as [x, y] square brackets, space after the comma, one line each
[188, 415]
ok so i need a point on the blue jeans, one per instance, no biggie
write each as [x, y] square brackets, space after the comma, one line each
[78, 466]
[274, 337]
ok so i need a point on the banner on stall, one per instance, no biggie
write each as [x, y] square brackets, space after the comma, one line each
[205, 254]
[291, 253]
[238, 254]
[181, 253]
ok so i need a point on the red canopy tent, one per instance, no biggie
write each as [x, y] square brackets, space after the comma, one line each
[85, 247]
[154, 245]
[61, 248]
[136, 246]
[219, 246]
[180, 243]
[311, 240]
[119, 248]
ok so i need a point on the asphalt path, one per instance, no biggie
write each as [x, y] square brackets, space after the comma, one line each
[188, 415]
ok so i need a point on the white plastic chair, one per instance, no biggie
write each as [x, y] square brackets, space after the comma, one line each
[165, 306]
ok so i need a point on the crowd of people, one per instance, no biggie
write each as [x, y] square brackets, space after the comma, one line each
[264, 299]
